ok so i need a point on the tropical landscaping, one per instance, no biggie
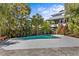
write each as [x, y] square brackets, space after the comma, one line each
[28, 32]
[72, 17]
[16, 22]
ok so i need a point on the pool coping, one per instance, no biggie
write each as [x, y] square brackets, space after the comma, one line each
[64, 41]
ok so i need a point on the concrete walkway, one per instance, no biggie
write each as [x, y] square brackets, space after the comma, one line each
[63, 41]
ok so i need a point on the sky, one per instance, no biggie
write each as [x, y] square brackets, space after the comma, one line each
[46, 9]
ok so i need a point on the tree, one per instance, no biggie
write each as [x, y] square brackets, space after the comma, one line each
[37, 21]
[46, 27]
[21, 13]
[3, 18]
[72, 10]
[13, 26]
[20, 10]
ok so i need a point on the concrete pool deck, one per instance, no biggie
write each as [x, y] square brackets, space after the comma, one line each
[62, 41]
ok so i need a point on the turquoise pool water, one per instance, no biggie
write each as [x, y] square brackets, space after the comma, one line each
[38, 37]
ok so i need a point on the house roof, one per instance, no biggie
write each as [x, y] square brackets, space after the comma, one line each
[59, 15]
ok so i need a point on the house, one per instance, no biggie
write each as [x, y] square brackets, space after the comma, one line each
[58, 18]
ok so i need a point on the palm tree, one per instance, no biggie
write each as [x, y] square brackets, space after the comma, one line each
[37, 21]
[3, 18]
[72, 10]
[46, 27]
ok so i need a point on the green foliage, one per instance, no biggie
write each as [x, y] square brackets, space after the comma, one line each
[46, 27]
[37, 21]
[12, 26]
[58, 29]
[72, 9]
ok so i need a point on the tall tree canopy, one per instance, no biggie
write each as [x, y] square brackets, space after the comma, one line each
[8, 19]
[72, 11]
[37, 21]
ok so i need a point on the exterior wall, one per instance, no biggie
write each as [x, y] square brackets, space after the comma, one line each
[59, 19]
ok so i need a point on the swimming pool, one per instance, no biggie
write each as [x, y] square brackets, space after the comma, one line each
[48, 36]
